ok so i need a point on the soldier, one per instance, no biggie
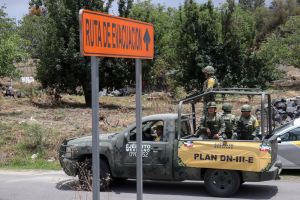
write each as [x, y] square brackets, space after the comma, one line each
[159, 132]
[210, 83]
[246, 126]
[212, 125]
[228, 118]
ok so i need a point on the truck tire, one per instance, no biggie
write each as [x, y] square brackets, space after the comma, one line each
[85, 175]
[119, 179]
[222, 183]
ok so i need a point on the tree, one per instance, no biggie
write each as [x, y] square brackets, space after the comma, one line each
[221, 38]
[33, 29]
[34, 12]
[283, 46]
[61, 64]
[251, 4]
[199, 32]
[267, 20]
[162, 18]
[10, 46]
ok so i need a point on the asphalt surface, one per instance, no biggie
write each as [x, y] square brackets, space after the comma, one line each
[50, 185]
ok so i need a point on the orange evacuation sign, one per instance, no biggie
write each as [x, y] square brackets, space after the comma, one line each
[111, 36]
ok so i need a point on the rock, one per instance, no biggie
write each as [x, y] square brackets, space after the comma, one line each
[291, 110]
[280, 105]
[277, 117]
[274, 101]
[10, 92]
[288, 119]
[298, 98]
[18, 94]
[283, 99]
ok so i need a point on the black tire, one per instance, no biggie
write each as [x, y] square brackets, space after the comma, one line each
[119, 179]
[222, 183]
[85, 175]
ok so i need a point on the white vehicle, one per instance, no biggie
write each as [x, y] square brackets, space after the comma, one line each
[289, 144]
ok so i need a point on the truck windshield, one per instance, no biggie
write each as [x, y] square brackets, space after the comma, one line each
[283, 127]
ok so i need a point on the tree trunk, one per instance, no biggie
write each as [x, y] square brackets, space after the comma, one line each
[88, 98]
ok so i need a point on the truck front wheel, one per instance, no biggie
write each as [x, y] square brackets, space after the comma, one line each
[221, 183]
[85, 175]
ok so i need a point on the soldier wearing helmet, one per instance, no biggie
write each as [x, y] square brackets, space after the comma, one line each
[228, 118]
[211, 119]
[248, 123]
[210, 83]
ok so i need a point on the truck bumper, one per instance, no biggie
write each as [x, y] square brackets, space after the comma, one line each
[69, 166]
[271, 174]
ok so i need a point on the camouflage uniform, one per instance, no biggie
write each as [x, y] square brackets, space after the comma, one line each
[219, 124]
[229, 119]
[208, 85]
[251, 126]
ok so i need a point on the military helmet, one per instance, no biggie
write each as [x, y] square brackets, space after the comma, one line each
[246, 108]
[211, 105]
[227, 107]
[209, 70]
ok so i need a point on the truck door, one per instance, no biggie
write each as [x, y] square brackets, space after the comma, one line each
[154, 152]
[289, 148]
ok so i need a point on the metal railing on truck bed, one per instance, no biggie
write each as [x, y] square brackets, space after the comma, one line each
[232, 91]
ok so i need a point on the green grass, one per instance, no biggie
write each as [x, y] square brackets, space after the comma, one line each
[61, 113]
[17, 113]
[36, 139]
[20, 163]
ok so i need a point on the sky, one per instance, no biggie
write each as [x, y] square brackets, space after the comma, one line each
[18, 8]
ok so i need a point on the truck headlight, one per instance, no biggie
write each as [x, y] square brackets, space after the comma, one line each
[69, 152]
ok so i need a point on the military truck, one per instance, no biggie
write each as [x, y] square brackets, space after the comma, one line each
[178, 155]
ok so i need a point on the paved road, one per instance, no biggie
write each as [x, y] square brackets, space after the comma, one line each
[56, 185]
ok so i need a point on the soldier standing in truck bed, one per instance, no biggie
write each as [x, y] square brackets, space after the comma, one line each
[217, 122]
[228, 118]
[250, 125]
[210, 83]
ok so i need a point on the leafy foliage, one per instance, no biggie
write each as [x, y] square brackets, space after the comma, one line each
[61, 64]
[33, 29]
[251, 4]
[267, 20]
[283, 46]
[162, 18]
[11, 44]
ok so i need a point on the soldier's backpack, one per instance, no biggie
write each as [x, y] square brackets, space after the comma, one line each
[228, 122]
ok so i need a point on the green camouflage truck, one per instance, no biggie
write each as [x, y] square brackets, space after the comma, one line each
[223, 165]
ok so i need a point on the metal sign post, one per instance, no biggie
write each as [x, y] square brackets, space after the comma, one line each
[111, 36]
[139, 161]
[95, 127]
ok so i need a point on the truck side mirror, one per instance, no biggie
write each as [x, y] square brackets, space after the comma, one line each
[279, 140]
[126, 137]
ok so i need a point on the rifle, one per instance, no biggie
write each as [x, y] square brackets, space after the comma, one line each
[211, 128]
[192, 95]
[241, 129]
